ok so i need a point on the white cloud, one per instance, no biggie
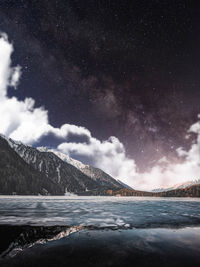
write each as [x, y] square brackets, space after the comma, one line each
[15, 76]
[21, 120]
[18, 119]
[164, 175]
[108, 155]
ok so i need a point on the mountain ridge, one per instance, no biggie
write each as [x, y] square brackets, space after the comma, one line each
[66, 176]
[26, 170]
[18, 177]
[177, 186]
[93, 172]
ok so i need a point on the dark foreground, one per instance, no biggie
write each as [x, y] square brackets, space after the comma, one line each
[99, 231]
[98, 247]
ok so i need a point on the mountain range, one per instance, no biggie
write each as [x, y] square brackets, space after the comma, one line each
[177, 186]
[95, 174]
[27, 170]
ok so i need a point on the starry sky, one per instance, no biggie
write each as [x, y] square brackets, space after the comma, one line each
[129, 69]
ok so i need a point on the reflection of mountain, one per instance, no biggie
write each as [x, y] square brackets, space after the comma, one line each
[177, 186]
[48, 169]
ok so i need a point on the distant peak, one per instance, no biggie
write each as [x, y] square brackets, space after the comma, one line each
[68, 159]
[42, 149]
[11, 141]
[178, 186]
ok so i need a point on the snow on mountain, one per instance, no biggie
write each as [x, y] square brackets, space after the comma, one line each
[94, 173]
[79, 165]
[177, 186]
[18, 177]
[62, 174]
[69, 174]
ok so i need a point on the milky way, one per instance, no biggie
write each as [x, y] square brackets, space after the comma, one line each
[123, 68]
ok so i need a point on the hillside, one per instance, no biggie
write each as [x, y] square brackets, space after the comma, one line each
[17, 177]
[95, 174]
[51, 174]
[29, 171]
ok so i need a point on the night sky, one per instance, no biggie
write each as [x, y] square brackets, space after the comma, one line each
[129, 69]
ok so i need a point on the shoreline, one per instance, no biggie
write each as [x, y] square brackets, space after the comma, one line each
[99, 196]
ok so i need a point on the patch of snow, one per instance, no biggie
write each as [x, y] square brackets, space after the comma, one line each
[42, 149]
[79, 165]
[58, 171]
[69, 193]
[40, 166]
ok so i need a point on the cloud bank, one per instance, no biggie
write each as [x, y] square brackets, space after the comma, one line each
[166, 173]
[21, 120]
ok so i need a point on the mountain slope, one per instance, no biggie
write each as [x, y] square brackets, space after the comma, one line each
[45, 173]
[16, 176]
[94, 173]
[61, 173]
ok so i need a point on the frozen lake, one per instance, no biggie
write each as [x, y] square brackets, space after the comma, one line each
[102, 231]
[117, 212]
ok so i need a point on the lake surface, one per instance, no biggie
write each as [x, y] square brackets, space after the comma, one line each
[127, 212]
[99, 231]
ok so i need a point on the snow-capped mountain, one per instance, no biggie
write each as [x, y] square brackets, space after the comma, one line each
[66, 173]
[28, 171]
[18, 177]
[177, 186]
[61, 173]
[79, 165]
[94, 173]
